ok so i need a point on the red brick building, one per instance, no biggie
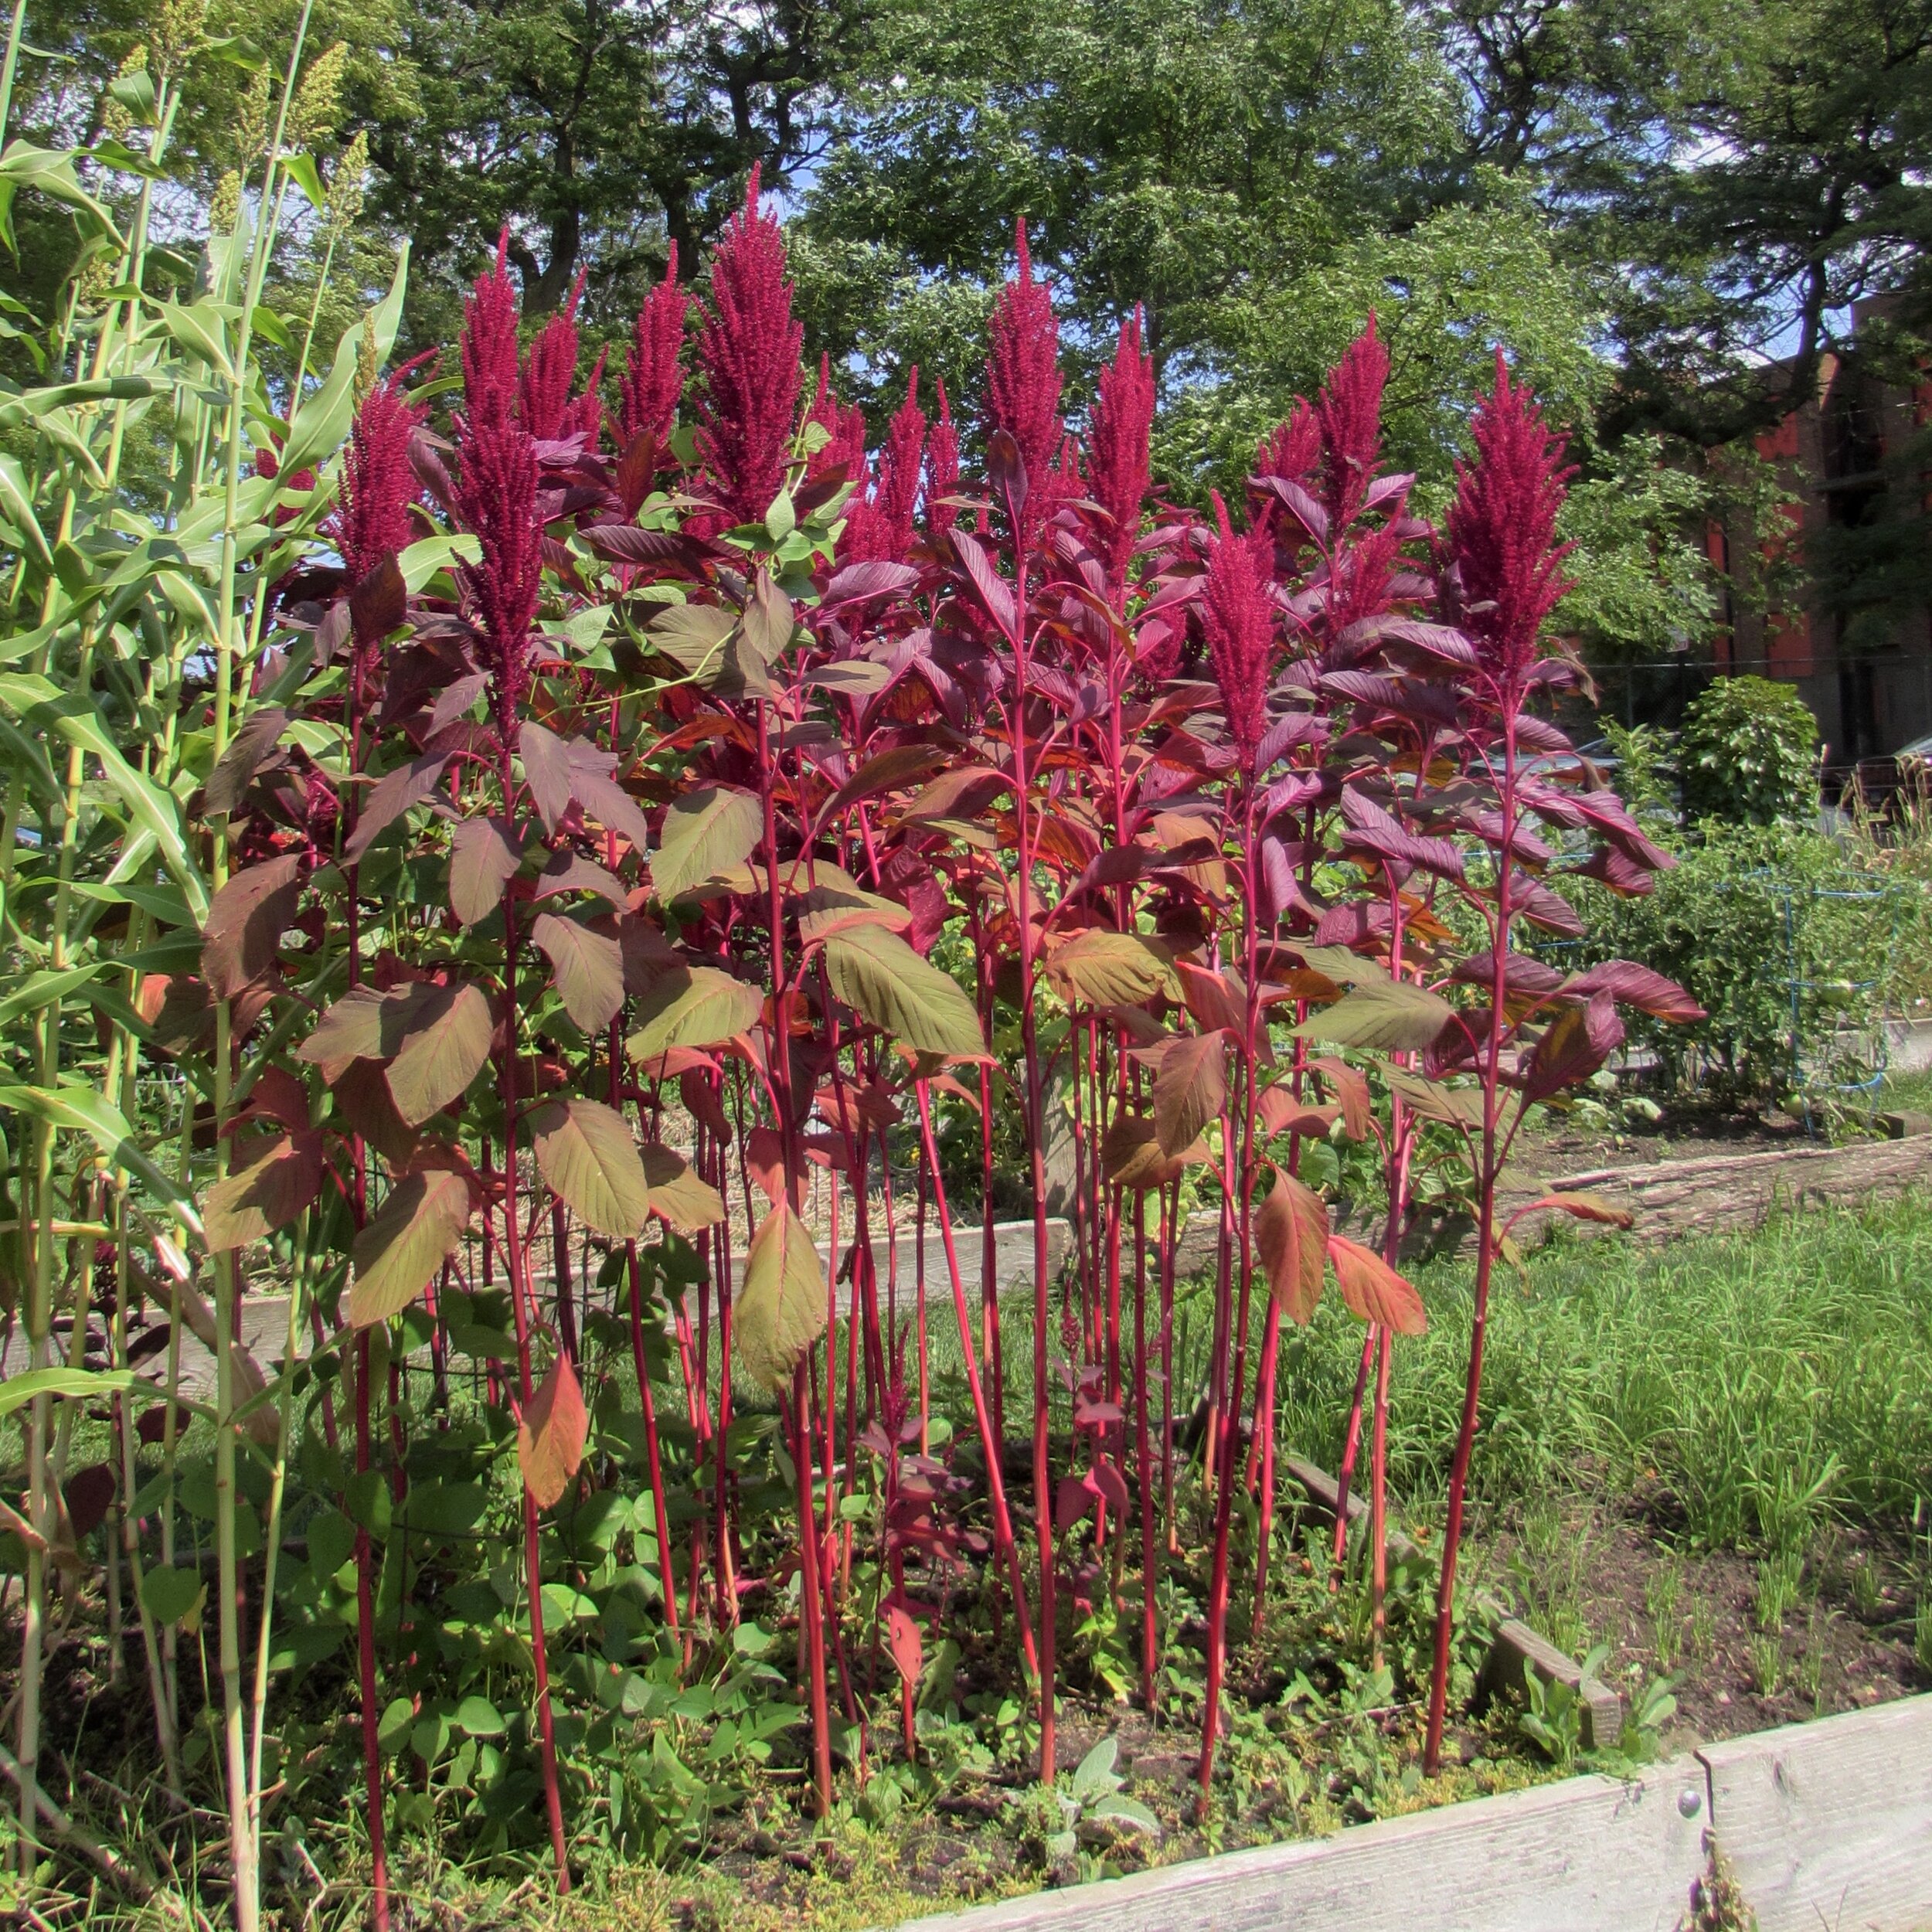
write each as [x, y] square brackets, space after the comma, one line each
[1867, 679]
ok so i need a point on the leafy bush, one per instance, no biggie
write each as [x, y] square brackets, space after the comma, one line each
[1747, 910]
[1749, 754]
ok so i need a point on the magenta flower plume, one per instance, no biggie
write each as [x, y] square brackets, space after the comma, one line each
[584, 416]
[1117, 461]
[653, 378]
[496, 495]
[843, 453]
[489, 343]
[550, 370]
[371, 519]
[748, 361]
[1023, 380]
[1291, 450]
[1349, 414]
[1502, 529]
[942, 470]
[1239, 622]
[879, 528]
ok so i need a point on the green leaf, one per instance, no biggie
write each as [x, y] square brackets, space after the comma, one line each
[317, 427]
[589, 967]
[169, 1595]
[1394, 1015]
[705, 832]
[1453, 1106]
[478, 1717]
[781, 1309]
[876, 973]
[17, 1391]
[82, 1109]
[585, 1152]
[42, 988]
[397, 1255]
[696, 1006]
[447, 1046]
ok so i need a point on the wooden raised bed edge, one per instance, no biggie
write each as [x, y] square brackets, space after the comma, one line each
[1822, 1824]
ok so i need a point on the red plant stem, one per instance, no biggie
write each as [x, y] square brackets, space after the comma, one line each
[366, 1658]
[516, 1267]
[1490, 1071]
[1036, 1150]
[1144, 1461]
[1351, 1447]
[810, 1607]
[1378, 1506]
[1224, 1497]
[668, 1582]
[1170, 1214]
[995, 1477]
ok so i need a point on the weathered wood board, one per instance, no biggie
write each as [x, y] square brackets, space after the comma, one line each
[1589, 1855]
[1829, 1824]
[1825, 1825]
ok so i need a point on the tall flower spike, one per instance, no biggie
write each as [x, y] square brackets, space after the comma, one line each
[1291, 450]
[1350, 417]
[1117, 461]
[1239, 623]
[489, 343]
[550, 370]
[843, 452]
[942, 470]
[371, 519]
[584, 416]
[1023, 381]
[879, 528]
[748, 360]
[1501, 529]
[496, 495]
[653, 378]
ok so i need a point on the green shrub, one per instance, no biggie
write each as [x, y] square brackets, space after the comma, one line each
[1747, 910]
[1749, 755]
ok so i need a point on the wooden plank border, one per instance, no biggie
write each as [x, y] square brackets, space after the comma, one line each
[1824, 1825]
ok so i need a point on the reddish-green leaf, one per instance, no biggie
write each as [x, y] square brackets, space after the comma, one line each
[780, 1310]
[691, 1006]
[550, 1435]
[483, 860]
[1290, 1234]
[589, 967]
[446, 1047]
[546, 770]
[1190, 1089]
[395, 793]
[282, 1176]
[1107, 968]
[1581, 1205]
[684, 1199]
[1373, 1290]
[876, 973]
[245, 920]
[399, 1253]
[705, 832]
[1453, 1106]
[903, 1641]
[1394, 1015]
[585, 1152]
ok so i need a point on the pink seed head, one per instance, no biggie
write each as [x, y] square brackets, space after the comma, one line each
[1023, 380]
[549, 369]
[942, 470]
[748, 364]
[1239, 622]
[1501, 529]
[1117, 457]
[653, 378]
[1349, 414]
